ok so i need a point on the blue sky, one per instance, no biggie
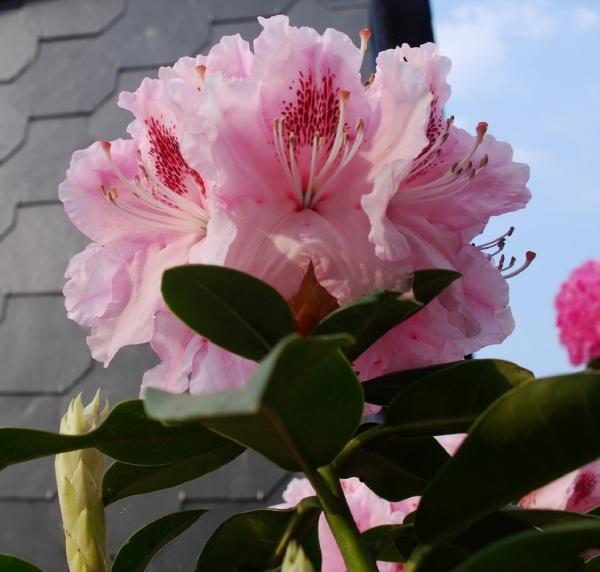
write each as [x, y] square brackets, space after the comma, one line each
[531, 69]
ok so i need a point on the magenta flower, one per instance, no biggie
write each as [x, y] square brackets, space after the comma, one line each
[578, 313]
[281, 163]
[368, 511]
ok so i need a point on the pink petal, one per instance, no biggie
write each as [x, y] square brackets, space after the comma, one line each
[89, 289]
[129, 318]
[176, 346]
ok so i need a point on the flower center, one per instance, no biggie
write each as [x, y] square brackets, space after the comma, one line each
[155, 203]
[311, 160]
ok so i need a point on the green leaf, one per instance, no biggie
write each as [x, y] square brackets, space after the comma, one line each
[380, 540]
[541, 518]
[367, 319]
[392, 467]
[592, 565]
[258, 539]
[431, 282]
[530, 436]
[450, 400]
[373, 315]
[123, 480]
[234, 310]
[299, 408]
[127, 435]
[10, 563]
[554, 550]
[146, 543]
[395, 543]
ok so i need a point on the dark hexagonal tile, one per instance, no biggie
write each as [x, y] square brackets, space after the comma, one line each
[33, 531]
[250, 477]
[237, 9]
[109, 121]
[71, 76]
[61, 18]
[35, 254]
[13, 124]
[18, 44]
[158, 33]
[41, 350]
[34, 173]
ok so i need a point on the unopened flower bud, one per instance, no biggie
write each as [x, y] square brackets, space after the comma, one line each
[79, 482]
[295, 560]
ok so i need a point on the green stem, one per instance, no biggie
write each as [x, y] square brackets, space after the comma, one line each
[354, 549]
[417, 557]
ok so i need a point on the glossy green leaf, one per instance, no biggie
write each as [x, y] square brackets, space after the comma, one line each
[530, 436]
[392, 467]
[123, 480]
[127, 435]
[450, 400]
[367, 319]
[258, 539]
[146, 543]
[395, 543]
[542, 518]
[554, 550]
[371, 316]
[232, 309]
[592, 565]
[300, 407]
[10, 563]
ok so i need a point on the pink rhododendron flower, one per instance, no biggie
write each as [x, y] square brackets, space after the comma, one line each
[368, 511]
[578, 308]
[281, 163]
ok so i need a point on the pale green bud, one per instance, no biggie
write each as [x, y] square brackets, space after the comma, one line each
[79, 482]
[295, 560]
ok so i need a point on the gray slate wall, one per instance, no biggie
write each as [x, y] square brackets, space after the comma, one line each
[62, 65]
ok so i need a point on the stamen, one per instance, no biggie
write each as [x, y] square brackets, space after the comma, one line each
[364, 38]
[501, 263]
[496, 241]
[529, 257]
[371, 79]
[161, 215]
[501, 244]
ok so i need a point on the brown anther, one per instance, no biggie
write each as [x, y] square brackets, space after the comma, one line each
[501, 262]
[472, 173]
[484, 161]
[359, 124]
[370, 80]
[345, 139]
[317, 135]
[139, 155]
[200, 71]
[343, 95]
[293, 140]
[454, 166]
[511, 229]
[102, 189]
[321, 141]
[144, 172]
[114, 192]
[276, 124]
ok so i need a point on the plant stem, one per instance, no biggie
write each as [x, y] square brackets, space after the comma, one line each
[354, 549]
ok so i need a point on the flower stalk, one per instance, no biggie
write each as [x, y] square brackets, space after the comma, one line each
[79, 481]
[354, 549]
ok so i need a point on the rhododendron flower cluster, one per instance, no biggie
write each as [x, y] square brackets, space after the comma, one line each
[578, 313]
[281, 163]
[368, 511]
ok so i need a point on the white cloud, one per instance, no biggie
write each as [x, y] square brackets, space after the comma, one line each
[585, 18]
[477, 38]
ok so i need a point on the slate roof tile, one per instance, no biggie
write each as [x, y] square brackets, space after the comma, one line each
[64, 18]
[41, 350]
[13, 125]
[34, 173]
[239, 9]
[247, 478]
[35, 254]
[158, 33]
[68, 77]
[33, 531]
[18, 45]
[109, 122]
